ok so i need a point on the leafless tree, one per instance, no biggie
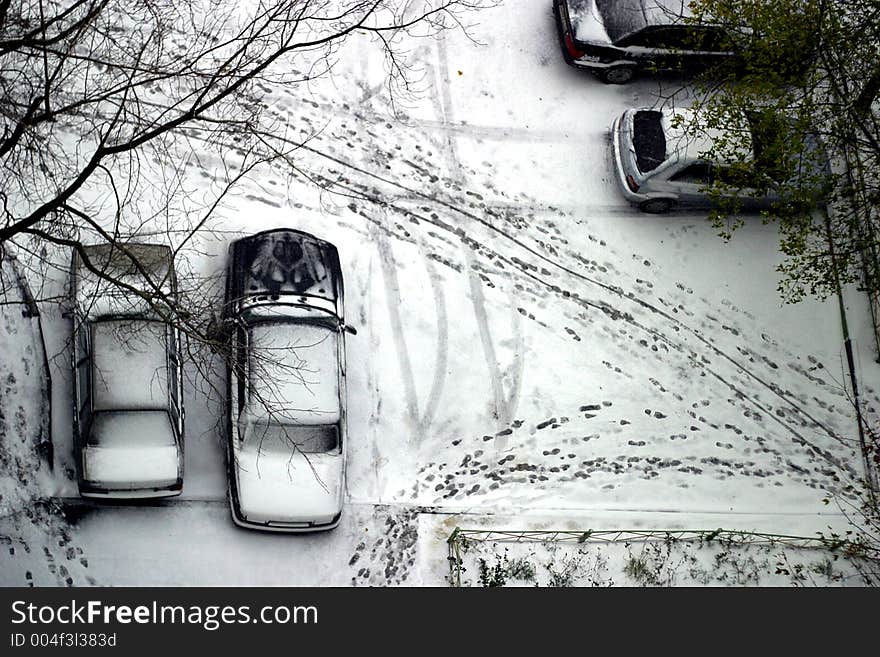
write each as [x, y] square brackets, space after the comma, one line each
[96, 96]
[103, 102]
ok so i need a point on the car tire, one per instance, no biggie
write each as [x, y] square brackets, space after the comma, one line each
[656, 205]
[617, 74]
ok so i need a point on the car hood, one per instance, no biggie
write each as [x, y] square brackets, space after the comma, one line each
[283, 262]
[145, 267]
[285, 488]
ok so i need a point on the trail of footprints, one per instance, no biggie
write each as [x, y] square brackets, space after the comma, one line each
[478, 473]
[571, 456]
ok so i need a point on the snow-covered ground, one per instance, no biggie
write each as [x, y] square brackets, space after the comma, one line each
[531, 350]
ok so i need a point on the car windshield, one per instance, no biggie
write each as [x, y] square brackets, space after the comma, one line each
[129, 366]
[133, 430]
[293, 372]
[278, 438]
[649, 140]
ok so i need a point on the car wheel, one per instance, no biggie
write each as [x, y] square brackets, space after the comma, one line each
[656, 205]
[618, 74]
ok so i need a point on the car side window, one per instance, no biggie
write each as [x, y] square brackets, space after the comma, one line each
[675, 37]
[698, 173]
[727, 176]
[678, 37]
[710, 39]
[84, 370]
[646, 38]
[667, 37]
[174, 362]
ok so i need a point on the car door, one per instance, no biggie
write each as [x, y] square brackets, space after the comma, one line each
[175, 381]
[688, 181]
[682, 48]
[83, 378]
[741, 187]
[702, 46]
[237, 369]
[671, 45]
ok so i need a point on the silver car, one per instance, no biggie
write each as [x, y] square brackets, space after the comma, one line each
[286, 382]
[659, 164]
[128, 416]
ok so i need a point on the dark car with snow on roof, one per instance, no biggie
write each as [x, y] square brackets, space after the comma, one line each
[128, 417]
[286, 382]
[618, 39]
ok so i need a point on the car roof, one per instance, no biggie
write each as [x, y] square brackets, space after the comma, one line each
[129, 365]
[624, 17]
[294, 373]
[685, 146]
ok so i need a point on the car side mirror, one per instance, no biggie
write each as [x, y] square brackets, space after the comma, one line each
[349, 329]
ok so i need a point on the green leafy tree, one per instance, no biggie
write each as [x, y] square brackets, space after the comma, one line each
[797, 115]
[800, 95]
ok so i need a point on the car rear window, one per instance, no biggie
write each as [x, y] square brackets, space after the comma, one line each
[277, 438]
[621, 17]
[649, 140]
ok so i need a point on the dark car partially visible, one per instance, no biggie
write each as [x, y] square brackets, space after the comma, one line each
[619, 39]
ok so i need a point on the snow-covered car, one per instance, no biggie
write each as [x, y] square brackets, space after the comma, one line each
[128, 417]
[286, 382]
[659, 164]
[617, 39]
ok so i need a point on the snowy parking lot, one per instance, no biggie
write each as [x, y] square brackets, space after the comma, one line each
[531, 350]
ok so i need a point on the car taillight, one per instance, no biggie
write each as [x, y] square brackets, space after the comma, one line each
[631, 183]
[573, 50]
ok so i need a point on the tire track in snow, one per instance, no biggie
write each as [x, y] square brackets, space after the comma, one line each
[419, 422]
[443, 106]
[450, 203]
[504, 405]
[615, 313]
[635, 299]
[394, 301]
[442, 358]
[372, 383]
